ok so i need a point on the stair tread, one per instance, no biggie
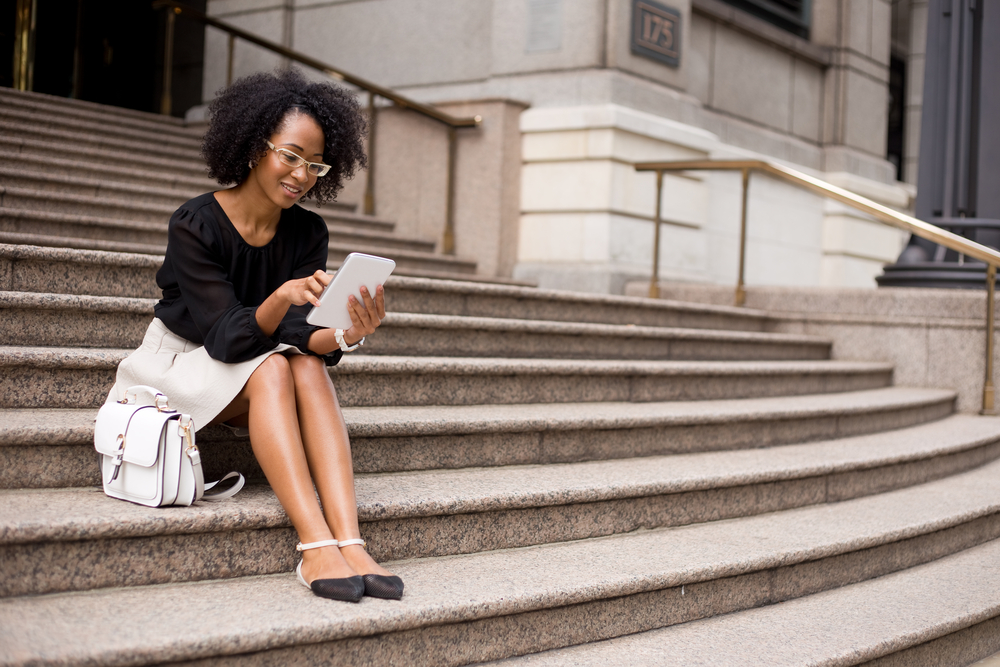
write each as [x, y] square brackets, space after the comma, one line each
[152, 625]
[85, 513]
[51, 301]
[72, 105]
[184, 164]
[44, 166]
[81, 357]
[60, 426]
[84, 124]
[849, 625]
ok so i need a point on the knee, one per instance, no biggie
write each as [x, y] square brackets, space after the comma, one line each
[305, 366]
[273, 373]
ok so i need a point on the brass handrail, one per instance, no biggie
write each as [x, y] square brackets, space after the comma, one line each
[374, 90]
[881, 213]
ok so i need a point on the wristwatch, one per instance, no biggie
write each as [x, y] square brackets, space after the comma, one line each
[338, 334]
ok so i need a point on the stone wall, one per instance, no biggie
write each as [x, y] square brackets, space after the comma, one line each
[935, 338]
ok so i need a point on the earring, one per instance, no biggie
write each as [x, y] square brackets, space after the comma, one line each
[251, 164]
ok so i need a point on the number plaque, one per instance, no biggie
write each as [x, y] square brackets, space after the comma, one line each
[656, 32]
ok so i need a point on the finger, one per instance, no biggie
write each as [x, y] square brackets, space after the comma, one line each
[373, 318]
[358, 311]
[323, 277]
[369, 302]
[380, 302]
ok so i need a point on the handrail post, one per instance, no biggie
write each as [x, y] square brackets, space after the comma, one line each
[988, 393]
[448, 243]
[166, 103]
[230, 58]
[370, 182]
[741, 293]
[654, 281]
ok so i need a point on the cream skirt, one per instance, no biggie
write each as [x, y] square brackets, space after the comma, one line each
[194, 383]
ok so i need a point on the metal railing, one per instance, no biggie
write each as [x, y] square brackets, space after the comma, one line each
[881, 213]
[453, 123]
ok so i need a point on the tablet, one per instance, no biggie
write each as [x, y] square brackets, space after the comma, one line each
[357, 270]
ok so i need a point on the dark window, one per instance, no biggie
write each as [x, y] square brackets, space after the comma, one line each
[897, 114]
[790, 15]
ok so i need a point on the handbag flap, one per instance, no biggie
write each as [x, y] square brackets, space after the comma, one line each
[141, 427]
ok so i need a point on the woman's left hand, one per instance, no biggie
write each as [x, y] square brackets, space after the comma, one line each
[366, 316]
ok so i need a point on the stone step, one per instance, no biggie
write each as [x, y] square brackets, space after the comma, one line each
[498, 604]
[55, 113]
[117, 206]
[78, 376]
[76, 140]
[68, 106]
[31, 318]
[61, 229]
[186, 165]
[945, 613]
[13, 164]
[442, 513]
[52, 448]
[86, 272]
[19, 178]
[90, 128]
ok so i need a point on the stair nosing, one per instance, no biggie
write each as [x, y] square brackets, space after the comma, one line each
[520, 580]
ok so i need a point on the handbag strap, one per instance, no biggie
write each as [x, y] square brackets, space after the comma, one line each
[228, 493]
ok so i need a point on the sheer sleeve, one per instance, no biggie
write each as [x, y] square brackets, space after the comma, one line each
[294, 330]
[228, 328]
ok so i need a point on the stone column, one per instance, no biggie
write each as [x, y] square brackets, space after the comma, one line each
[856, 89]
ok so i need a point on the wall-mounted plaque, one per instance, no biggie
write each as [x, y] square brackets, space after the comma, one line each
[656, 32]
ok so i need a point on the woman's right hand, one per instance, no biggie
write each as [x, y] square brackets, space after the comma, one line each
[305, 290]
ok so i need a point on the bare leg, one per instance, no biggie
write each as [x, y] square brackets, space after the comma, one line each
[328, 450]
[269, 398]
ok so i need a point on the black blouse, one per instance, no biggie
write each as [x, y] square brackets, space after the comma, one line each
[213, 280]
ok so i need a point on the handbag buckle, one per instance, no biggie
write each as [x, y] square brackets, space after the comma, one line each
[118, 457]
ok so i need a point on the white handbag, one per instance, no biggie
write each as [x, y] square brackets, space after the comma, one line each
[148, 453]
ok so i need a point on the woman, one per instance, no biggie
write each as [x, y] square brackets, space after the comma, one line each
[230, 343]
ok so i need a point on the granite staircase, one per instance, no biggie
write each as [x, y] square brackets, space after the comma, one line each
[559, 478]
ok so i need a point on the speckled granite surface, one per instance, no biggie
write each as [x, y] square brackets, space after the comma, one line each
[446, 297]
[867, 621]
[573, 581]
[37, 445]
[374, 380]
[462, 511]
[31, 318]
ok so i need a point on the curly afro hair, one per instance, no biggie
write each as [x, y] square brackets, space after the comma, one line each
[243, 117]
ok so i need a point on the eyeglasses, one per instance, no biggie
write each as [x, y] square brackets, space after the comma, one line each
[289, 158]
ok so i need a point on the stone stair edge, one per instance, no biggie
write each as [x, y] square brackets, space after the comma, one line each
[187, 164]
[82, 124]
[451, 284]
[75, 425]
[550, 576]
[81, 513]
[111, 171]
[51, 301]
[164, 209]
[60, 111]
[100, 141]
[583, 297]
[110, 186]
[927, 602]
[48, 241]
[66, 102]
[84, 357]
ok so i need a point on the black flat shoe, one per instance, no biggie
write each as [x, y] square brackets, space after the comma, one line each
[348, 589]
[381, 586]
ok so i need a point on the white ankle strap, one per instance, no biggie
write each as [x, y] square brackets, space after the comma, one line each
[347, 543]
[317, 545]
